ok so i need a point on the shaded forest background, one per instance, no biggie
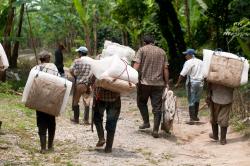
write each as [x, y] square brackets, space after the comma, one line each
[176, 25]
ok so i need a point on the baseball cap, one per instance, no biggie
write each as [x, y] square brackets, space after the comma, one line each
[189, 52]
[82, 49]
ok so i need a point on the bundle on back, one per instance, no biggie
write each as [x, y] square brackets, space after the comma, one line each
[225, 68]
[46, 92]
[113, 70]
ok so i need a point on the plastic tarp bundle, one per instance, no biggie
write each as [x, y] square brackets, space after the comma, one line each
[112, 73]
[116, 85]
[225, 68]
[46, 92]
[168, 109]
[124, 52]
[4, 63]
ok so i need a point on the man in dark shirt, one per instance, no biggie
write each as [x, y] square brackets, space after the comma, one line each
[59, 59]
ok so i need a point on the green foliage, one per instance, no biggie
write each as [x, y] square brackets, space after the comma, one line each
[241, 32]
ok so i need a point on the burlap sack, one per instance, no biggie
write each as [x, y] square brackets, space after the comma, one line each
[46, 96]
[116, 85]
[225, 71]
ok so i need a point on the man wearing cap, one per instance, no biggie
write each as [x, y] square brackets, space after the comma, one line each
[59, 59]
[194, 82]
[152, 64]
[82, 73]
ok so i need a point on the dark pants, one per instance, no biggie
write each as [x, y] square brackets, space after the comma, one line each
[46, 122]
[113, 110]
[60, 69]
[144, 92]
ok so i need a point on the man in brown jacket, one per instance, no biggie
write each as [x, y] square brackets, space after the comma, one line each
[152, 65]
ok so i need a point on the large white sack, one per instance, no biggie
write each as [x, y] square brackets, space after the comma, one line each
[98, 67]
[207, 57]
[121, 70]
[124, 52]
[33, 73]
[3, 57]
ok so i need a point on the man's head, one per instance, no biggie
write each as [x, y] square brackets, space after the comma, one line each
[61, 46]
[189, 53]
[147, 39]
[82, 51]
[44, 56]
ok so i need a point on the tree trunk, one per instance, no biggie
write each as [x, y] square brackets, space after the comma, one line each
[88, 39]
[7, 30]
[172, 32]
[187, 14]
[95, 33]
[13, 60]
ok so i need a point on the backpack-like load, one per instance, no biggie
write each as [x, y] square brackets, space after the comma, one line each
[124, 52]
[225, 68]
[114, 74]
[46, 92]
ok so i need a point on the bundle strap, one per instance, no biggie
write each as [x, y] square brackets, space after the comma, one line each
[125, 70]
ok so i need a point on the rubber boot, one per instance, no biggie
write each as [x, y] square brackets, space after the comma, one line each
[109, 143]
[197, 104]
[145, 118]
[157, 121]
[51, 139]
[76, 114]
[223, 132]
[100, 133]
[214, 135]
[86, 116]
[43, 143]
[191, 115]
[1, 133]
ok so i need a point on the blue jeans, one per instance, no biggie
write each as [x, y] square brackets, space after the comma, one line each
[194, 92]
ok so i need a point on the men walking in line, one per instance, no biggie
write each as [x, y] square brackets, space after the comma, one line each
[59, 59]
[194, 83]
[152, 64]
[82, 73]
[220, 100]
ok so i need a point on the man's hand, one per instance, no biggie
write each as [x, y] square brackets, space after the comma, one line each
[208, 100]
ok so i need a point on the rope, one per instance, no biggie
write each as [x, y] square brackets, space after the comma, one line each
[126, 69]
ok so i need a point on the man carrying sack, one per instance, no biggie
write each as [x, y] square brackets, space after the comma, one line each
[220, 100]
[194, 83]
[82, 74]
[152, 64]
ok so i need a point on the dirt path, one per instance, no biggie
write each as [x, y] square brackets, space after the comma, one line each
[188, 145]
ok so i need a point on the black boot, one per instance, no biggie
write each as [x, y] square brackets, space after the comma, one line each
[223, 134]
[100, 133]
[86, 116]
[191, 115]
[197, 104]
[76, 114]
[109, 143]
[145, 118]
[43, 143]
[1, 133]
[157, 121]
[214, 135]
[51, 139]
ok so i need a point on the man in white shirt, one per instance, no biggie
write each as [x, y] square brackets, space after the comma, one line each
[194, 82]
